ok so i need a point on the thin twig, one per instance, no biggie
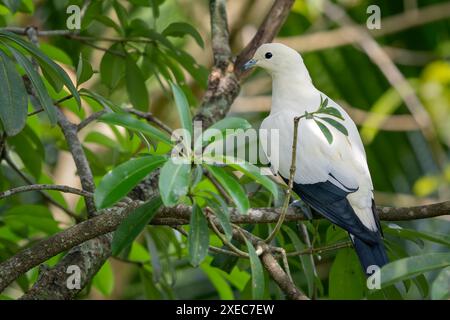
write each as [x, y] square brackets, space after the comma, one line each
[43, 193]
[211, 248]
[38, 187]
[224, 240]
[150, 118]
[319, 250]
[291, 181]
[93, 117]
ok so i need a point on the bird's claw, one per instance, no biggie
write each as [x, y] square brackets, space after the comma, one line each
[306, 210]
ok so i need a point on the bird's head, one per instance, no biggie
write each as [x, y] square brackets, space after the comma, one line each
[275, 58]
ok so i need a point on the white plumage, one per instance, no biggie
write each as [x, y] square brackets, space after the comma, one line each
[343, 162]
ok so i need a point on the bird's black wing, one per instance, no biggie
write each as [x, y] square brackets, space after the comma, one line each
[331, 202]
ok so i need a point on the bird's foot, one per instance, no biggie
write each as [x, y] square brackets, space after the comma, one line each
[306, 210]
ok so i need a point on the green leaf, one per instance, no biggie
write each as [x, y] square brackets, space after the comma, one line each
[254, 173]
[104, 279]
[258, 284]
[198, 238]
[112, 66]
[326, 132]
[53, 72]
[136, 88]
[122, 14]
[232, 187]
[222, 286]
[415, 235]
[306, 261]
[105, 103]
[38, 217]
[30, 150]
[133, 224]
[84, 70]
[55, 53]
[182, 107]
[346, 280]
[12, 5]
[332, 112]
[218, 130]
[339, 126]
[130, 122]
[180, 29]
[174, 181]
[223, 215]
[13, 97]
[122, 179]
[440, 289]
[41, 91]
[412, 266]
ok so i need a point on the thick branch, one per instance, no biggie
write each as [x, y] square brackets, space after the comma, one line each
[76, 149]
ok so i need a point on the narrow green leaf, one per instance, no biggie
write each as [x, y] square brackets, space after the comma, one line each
[13, 97]
[174, 181]
[182, 107]
[254, 173]
[332, 112]
[130, 122]
[55, 53]
[217, 279]
[122, 14]
[198, 238]
[122, 179]
[36, 216]
[41, 91]
[53, 72]
[414, 234]
[339, 126]
[258, 284]
[223, 216]
[112, 66]
[326, 132]
[84, 70]
[232, 187]
[440, 289]
[105, 103]
[179, 29]
[218, 130]
[133, 224]
[412, 266]
[306, 261]
[136, 88]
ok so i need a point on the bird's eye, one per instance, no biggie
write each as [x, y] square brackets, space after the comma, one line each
[268, 55]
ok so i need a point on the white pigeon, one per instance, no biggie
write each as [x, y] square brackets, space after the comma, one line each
[333, 179]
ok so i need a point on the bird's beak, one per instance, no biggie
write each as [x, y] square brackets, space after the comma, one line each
[249, 64]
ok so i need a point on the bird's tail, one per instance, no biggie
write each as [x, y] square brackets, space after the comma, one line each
[370, 254]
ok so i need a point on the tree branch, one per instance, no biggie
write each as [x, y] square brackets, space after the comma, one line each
[340, 37]
[108, 220]
[76, 149]
[266, 32]
[39, 187]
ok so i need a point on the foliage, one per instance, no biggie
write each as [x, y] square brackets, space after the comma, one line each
[148, 64]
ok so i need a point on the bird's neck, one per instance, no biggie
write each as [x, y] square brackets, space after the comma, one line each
[293, 90]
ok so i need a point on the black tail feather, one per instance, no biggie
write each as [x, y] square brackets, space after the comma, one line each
[370, 254]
